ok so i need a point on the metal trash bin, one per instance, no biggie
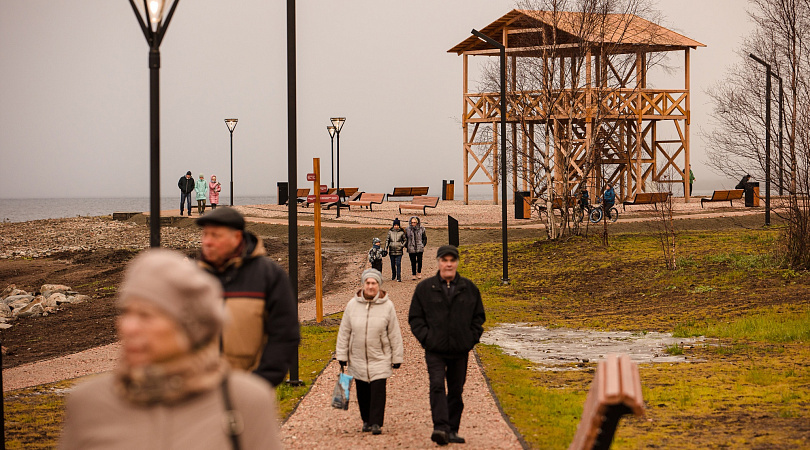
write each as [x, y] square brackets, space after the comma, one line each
[283, 192]
[523, 206]
[751, 194]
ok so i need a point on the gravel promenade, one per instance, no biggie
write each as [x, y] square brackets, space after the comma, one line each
[316, 425]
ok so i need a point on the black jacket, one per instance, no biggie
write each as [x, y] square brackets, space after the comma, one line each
[262, 334]
[449, 327]
[186, 185]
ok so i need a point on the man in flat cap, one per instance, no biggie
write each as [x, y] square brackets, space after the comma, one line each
[262, 332]
[447, 318]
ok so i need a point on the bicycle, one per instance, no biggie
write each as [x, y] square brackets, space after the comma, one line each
[596, 213]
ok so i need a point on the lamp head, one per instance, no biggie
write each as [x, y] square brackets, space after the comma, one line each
[231, 124]
[331, 130]
[338, 123]
[155, 10]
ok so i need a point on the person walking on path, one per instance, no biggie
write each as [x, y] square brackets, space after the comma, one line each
[201, 186]
[416, 237]
[262, 334]
[375, 255]
[447, 317]
[214, 188]
[171, 388]
[691, 181]
[370, 343]
[394, 245]
[186, 185]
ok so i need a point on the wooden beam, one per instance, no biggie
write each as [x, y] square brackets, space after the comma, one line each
[686, 143]
[464, 86]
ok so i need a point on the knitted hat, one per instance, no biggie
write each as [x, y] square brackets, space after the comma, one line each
[187, 294]
[396, 221]
[447, 250]
[202, 176]
[188, 173]
[224, 216]
[376, 240]
[371, 273]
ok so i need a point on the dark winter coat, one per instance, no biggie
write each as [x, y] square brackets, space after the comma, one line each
[449, 327]
[186, 185]
[396, 241]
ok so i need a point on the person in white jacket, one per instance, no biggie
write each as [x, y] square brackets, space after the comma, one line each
[370, 343]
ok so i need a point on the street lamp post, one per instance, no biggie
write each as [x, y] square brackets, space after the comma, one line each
[331, 130]
[767, 137]
[154, 29]
[337, 123]
[502, 48]
[231, 123]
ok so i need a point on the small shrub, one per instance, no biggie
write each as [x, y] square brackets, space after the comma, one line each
[674, 349]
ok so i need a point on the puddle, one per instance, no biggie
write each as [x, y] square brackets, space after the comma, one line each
[564, 346]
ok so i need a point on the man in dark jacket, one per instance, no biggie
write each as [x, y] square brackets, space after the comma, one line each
[186, 185]
[447, 318]
[262, 333]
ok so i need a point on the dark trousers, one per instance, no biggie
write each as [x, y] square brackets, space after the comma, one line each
[200, 206]
[371, 400]
[396, 266]
[446, 406]
[377, 264]
[416, 262]
[187, 199]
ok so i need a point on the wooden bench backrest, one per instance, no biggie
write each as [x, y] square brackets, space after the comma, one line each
[658, 197]
[727, 195]
[409, 191]
[302, 192]
[425, 200]
[369, 197]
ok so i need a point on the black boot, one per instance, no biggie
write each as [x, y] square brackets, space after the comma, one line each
[439, 437]
[455, 438]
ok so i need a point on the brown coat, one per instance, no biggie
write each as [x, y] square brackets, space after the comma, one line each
[98, 418]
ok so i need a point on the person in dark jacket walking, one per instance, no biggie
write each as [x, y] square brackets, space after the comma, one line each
[417, 240]
[394, 245]
[186, 185]
[447, 317]
[262, 334]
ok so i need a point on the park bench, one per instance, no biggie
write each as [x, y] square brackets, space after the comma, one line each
[357, 193]
[367, 199]
[615, 391]
[723, 196]
[647, 198]
[408, 192]
[347, 191]
[556, 203]
[301, 195]
[420, 202]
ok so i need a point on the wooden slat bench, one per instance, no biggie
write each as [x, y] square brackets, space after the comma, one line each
[347, 191]
[647, 198]
[615, 391]
[408, 191]
[367, 199]
[301, 195]
[353, 197]
[724, 196]
[556, 203]
[420, 202]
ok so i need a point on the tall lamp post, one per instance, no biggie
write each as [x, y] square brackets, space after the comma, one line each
[502, 48]
[337, 122]
[331, 130]
[231, 123]
[154, 29]
[768, 76]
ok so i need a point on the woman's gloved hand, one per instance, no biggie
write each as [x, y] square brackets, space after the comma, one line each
[343, 363]
[396, 366]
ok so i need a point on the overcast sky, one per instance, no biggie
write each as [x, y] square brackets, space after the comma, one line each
[74, 97]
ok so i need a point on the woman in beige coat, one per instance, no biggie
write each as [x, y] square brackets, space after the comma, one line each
[370, 342]
[171, 389]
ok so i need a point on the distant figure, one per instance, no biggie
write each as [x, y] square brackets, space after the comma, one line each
[447, 318]
[584, 199]
[376, 254]
[416, 241]
[214, 188]
[262, 334]
[743, 181]
[201, 186]
[608, 199]
[691, 180]
[370, 342]
[186, 185]
[394, 245]
[171, 388]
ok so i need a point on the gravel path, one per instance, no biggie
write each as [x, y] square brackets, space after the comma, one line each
[94, 360]
[316, 425]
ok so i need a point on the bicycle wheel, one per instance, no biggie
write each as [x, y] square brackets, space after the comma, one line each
[578, 216]
[596, 215]
[613, 214]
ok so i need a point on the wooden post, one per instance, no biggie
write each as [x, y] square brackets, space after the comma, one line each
[687, 194]
[465, 130]
[316, 166]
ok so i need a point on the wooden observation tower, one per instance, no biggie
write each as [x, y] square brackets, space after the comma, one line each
[580, 111]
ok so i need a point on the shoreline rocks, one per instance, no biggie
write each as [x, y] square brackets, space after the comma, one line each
[16, 303]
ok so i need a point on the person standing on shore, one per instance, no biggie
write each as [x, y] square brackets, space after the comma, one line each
[262, 334]
[394, 245]
[370, 343]
[171, 388]
[201, 186]
[214, 188]
[447, 317]
[186, 185]
[691, 180]
[416, 242]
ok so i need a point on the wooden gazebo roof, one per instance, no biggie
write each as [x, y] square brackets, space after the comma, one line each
[626, 33]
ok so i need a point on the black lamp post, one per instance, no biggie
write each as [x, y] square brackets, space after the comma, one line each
[502, 48]
[767, 137]
[331, 130]
[154, 28]
[231, 123]
[337, 122]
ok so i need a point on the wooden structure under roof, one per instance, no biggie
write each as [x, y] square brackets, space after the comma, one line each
[607, 108]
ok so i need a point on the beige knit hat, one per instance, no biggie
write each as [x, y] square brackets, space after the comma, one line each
[371, 273]
[180, 289]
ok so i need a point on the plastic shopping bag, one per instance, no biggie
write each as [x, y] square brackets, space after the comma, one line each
[340, 395]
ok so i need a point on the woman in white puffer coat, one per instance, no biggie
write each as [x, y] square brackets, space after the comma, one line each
[370, 342]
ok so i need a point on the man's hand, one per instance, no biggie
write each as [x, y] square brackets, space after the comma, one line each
[396, 366]
[343, 363]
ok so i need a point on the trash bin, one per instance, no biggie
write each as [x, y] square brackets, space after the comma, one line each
[447, 190]
[283, 192]
[523, 206]
[751, 194]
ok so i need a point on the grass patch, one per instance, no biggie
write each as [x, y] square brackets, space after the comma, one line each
[774, 325]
